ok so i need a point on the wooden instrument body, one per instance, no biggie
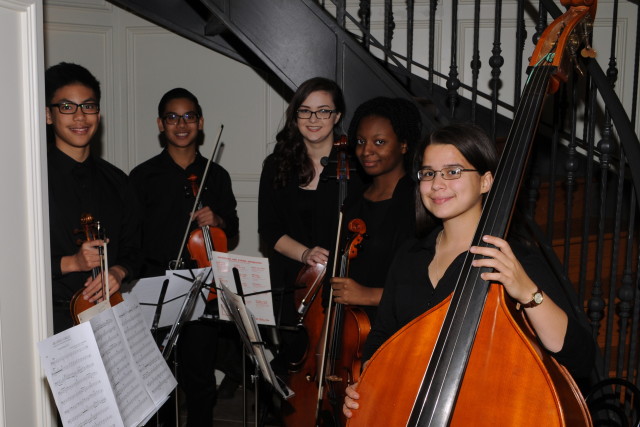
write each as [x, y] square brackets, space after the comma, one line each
[79, 304]
[204, 240]
[346, 365]
[299, 410]
[509, 381]
[92, 231]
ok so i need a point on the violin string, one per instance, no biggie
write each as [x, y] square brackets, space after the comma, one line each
[195, 204]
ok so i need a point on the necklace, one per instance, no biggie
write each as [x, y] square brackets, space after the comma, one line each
[435, 258]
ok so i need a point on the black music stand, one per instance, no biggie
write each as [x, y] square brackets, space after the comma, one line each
[184, 314]
[253, 345]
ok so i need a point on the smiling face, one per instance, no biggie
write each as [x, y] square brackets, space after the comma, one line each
[181, 134]
[314, 130]
[378, 148]
[73, 132]
[456, 198]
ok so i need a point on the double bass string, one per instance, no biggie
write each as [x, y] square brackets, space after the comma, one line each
[468, 279]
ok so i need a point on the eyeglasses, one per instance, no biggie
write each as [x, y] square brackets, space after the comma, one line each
[426, 174]
[173, 118]
[72, 107]
[320, 114]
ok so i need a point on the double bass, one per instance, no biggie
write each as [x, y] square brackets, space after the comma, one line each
[473, 359]
[93, 230]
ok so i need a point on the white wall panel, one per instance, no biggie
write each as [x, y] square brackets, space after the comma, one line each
[24, 247]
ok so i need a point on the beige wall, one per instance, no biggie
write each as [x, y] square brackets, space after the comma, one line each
[136, 62]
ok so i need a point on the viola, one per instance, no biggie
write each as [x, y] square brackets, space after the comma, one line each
[473, 359]
[204, 240]
[93, 231]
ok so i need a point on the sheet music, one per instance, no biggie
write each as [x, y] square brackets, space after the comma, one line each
[147, 291]
[155, 372]
[132, 398]
[78, 379]
[254, 275]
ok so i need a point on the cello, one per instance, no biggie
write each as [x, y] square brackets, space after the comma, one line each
[304, 378]
[475, 343]
[93, 230]
[345, 330]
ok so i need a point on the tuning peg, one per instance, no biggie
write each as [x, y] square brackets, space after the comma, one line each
[588, 52]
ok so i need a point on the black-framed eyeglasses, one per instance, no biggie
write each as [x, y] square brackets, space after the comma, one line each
[173, 118]
[72, 107]
[426, 174]
[320, 114]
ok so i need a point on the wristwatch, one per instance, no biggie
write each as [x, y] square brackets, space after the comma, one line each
[535, 301]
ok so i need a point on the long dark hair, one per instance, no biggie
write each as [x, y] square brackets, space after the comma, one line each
[403, 115]
[290, 153]
[473, 143]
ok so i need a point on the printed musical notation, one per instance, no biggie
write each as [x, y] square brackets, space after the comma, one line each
[107, 371]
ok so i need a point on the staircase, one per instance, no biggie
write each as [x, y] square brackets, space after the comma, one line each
[584, 181]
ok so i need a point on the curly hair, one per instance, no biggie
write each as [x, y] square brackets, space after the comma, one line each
[290, 152]
[404, 117]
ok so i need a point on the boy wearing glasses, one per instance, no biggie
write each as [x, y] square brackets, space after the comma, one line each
[80, 183]
[165, 185]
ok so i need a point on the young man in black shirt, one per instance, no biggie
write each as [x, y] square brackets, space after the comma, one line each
[80, 183]
[164, 186]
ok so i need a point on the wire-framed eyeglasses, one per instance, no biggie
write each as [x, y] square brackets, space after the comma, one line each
[173, 118]
[320, 114]
[72, 107]
[427, 174]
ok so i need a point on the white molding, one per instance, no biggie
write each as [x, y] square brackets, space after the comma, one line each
[80, 5]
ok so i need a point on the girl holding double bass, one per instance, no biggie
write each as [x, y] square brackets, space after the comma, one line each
[455, 172]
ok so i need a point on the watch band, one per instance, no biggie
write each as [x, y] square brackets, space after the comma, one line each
[536, 299]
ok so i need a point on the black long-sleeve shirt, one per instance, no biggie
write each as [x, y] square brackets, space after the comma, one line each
[409, 293]
[167, 199]
[102, 190]
[307, 216]
[389, 224]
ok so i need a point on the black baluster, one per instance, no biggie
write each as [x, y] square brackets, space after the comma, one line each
[364, 13]
[496, 62]
[410, 10]
[389, 26]
[521, 36]
[475, 62]
[433, 5]
[453, 83]
[541, 23]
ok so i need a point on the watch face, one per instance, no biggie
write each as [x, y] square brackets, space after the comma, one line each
[537, 297]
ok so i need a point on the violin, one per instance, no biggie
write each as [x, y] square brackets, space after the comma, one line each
[204, 240]
[346, 330]
[93, 230]
[473, 359]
